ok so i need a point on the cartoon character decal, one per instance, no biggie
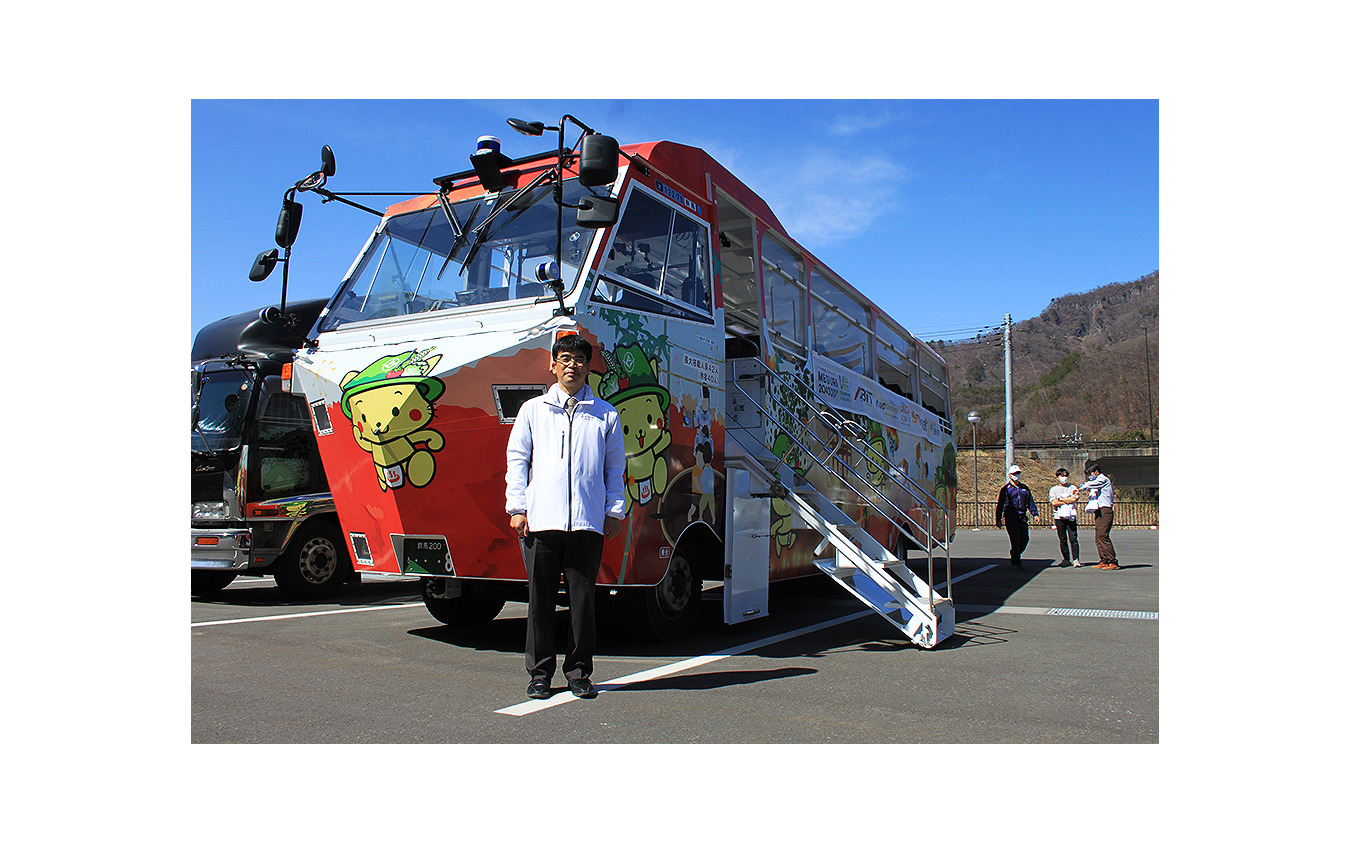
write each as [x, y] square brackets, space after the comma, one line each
[944, 487]
[876, 470]
[630, 385]
[781, 535]
[702, 484]
[391, 403]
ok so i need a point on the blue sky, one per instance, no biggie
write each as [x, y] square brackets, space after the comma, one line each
[948, 213]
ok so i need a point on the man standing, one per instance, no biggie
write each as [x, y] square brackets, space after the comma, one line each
[1100, 498]
[1014, 501]
[1064, 498]
[564, 492]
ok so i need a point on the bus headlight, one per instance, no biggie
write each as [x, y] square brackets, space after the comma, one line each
[210, 510]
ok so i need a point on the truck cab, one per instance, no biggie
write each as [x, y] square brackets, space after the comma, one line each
[260, 499]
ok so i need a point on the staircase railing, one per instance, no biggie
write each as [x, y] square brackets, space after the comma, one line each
[843, 430]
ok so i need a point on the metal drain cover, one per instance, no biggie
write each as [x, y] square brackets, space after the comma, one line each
[1151, 616]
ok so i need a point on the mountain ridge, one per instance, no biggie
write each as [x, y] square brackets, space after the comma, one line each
[1080, 368]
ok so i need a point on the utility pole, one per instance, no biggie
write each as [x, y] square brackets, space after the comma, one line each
[1007, 392]
[1148, 379]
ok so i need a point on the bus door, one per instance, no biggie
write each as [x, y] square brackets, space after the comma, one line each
[746, 567]
[740, 287]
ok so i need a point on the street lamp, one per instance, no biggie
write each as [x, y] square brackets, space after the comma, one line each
[974, 419]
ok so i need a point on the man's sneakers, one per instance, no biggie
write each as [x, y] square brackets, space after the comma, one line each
[541, 689]
[1107, 566]
[581, 687]
[1063, 564]
[1076, 564]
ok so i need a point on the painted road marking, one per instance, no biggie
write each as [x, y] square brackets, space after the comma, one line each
[1080, 613]
[532, 706]
[305, 614]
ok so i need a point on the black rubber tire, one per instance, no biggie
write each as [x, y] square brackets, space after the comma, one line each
[670, 610]
[315, 564]
[472, 608]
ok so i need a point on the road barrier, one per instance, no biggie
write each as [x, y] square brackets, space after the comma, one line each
[1128, 514]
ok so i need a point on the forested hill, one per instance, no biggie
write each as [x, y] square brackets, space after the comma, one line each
[1081, 363]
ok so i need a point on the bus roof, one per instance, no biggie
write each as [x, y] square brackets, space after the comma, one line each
[689, 167]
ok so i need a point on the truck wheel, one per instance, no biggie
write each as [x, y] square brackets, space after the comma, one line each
[669, 610]
[207, 584]
[471, 608]
[315, 564]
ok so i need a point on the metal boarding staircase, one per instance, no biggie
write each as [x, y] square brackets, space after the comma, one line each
[862, 565]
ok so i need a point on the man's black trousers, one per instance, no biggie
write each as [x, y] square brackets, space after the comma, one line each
[1018, 537]
[575, 554]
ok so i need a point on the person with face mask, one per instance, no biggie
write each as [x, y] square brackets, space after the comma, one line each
[1064, 498]
[1100, 498]
[1015, 501]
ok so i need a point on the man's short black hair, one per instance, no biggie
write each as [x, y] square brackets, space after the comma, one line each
[1093, 467]
[1061, 471]
[572, 343]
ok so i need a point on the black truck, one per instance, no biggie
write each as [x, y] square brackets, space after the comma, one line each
[260, 499]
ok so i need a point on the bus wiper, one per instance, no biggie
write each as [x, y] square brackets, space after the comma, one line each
[502, 206]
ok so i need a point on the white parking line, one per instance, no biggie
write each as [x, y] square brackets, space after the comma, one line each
[531, 706]
[304, 614]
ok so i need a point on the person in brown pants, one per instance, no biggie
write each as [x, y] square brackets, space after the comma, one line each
[1101, 492]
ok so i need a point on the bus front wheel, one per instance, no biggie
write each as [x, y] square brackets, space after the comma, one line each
[472, 607]
[669, 610]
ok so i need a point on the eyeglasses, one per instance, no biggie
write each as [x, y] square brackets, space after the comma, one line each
[569, 360]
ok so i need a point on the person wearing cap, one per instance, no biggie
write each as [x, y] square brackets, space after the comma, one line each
[1101, 496]
[1015, 501]
[565, 495]
[1064, 498]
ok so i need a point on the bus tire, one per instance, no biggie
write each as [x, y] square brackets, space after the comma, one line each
[208, 584]
[471, 608]
[669, 611]
[315, 564]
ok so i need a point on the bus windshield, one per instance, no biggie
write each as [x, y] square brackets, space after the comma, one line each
[219, 409]
[475, 252]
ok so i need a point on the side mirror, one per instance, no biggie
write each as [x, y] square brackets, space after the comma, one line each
[262, 265]
[597, 212]
[599, 160]
[329, 163]
[288, 222]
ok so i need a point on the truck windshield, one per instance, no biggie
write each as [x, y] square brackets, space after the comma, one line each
[219, 408]
[425, 261]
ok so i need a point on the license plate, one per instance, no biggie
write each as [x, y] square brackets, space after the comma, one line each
[423, 554]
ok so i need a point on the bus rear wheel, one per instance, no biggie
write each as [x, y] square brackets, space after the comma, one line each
[315, 565]
[669, 610]
[470, 608]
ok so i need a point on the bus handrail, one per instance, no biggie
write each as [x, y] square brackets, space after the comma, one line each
[894, 472]
[840, 425]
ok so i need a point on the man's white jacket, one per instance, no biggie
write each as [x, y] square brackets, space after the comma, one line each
[565, 473]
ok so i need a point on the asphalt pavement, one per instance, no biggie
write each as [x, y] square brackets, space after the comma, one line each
[1045, 655]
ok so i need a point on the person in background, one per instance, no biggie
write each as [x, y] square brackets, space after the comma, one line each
[1100, 498]
[564, 494]
[1064, 498]
[1015, 501]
